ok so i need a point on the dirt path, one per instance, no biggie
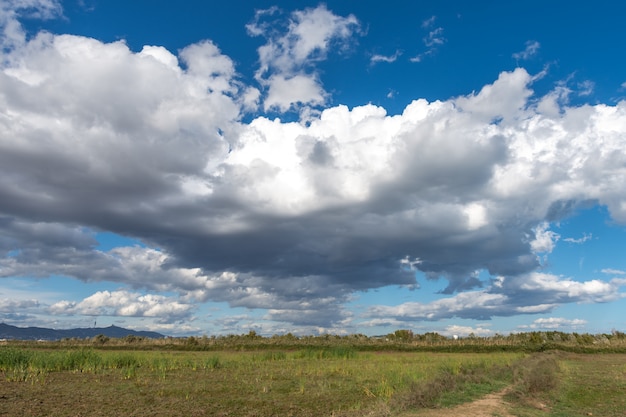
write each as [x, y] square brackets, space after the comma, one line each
[491, 405]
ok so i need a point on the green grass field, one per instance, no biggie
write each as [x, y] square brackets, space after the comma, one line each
[88, 379]
[585, 385]
[310, 382]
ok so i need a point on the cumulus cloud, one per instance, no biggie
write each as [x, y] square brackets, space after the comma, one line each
[125, 304]
[12, 34]
[545, 240]
[294, 45]
[290, 218]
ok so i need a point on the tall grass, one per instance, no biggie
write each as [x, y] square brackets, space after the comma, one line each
[338, 352]
[24, 364]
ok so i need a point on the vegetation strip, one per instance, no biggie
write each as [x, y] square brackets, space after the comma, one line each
[250, 375]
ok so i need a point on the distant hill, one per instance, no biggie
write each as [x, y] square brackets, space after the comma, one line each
[39, 333]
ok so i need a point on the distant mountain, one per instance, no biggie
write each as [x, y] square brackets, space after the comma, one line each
[39, 333]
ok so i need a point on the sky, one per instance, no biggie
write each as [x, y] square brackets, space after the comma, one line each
[212, 168]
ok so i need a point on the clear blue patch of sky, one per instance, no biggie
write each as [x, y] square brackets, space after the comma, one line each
[58, 288]
[109, 240]
[605, 247]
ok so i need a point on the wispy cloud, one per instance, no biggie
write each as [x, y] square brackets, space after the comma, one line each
[586, 237]
[532, 47]
[611, 271]
[585, 88]
[376, 58]
[428, 23]
[432, 40]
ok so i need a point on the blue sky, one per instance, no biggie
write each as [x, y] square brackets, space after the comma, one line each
[306, 167]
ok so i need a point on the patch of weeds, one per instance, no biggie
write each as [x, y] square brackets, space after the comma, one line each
[212, 363]
[129, 372]
[124, 360]
[454, 384]
[535, 375]
[338, 352]
[12, 358]
[535, 382]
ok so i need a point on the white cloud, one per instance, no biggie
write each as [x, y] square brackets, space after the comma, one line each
[34, 9]
[532, 47]
[285, 93]
[556, 323]
[549, 288]
[473, 304]
[476, 215]
[611, 271]
[465, 331]
[544, 240]
[432, 40]
[12, 34]
[289, 56]
[506, 98]
[429, 22]
[126, 304]
[586, 237]
[585, 88]
[385, 58]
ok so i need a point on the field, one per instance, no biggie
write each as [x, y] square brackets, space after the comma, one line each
[198, 378]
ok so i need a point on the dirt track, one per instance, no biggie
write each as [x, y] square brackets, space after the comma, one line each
[490, 405]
